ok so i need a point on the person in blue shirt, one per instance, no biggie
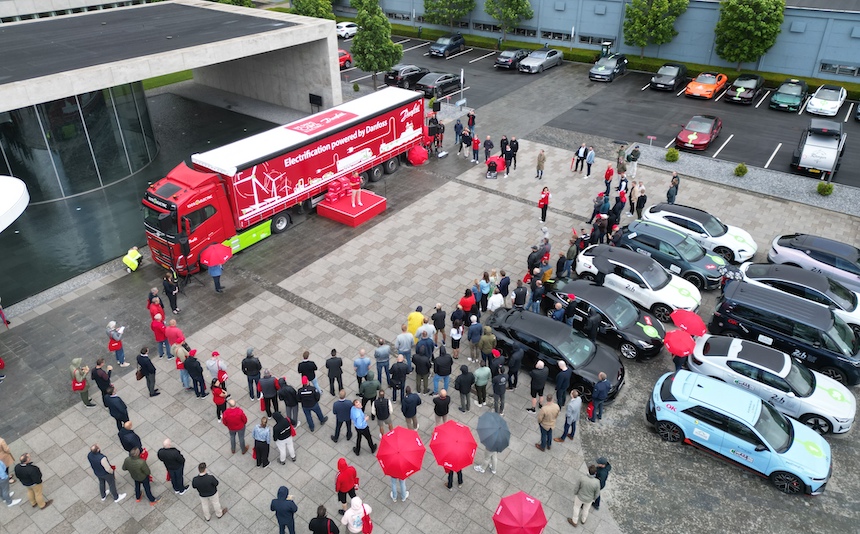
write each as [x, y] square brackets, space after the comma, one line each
[558, 312]
[262, 439]
[361, 365]
[601, 392]
[215, 272]
[359, 421]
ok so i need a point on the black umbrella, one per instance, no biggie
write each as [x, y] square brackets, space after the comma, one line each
[493, 432]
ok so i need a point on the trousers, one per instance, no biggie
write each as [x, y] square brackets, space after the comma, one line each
[241, 435]
[108, 481]
[34, 494]
[283, 446]
[212, 501]
[580, 510]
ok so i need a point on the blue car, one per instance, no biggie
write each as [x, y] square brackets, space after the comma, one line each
[740, 428]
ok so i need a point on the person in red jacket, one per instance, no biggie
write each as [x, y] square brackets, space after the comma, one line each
[155, 308]
[219, 397]
[159, 331]
[173, 333]
[345, 483]
[234, 419]
[543, 203]
[476, 148]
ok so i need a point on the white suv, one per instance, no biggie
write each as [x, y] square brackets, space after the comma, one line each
[639, 278]
[730, 242]
[345, 30]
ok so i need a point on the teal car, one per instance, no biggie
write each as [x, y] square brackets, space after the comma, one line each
[789, 96]
[740, 428]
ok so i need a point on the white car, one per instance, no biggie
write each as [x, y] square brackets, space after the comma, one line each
[819, 402]
[639, 278]
[730, 242]
[346, 30]
[827, 100]
[812, 286]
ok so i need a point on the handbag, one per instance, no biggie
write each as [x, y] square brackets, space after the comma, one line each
[78, 386]
[589, 412]
[114, 345]
[144, 454]
[356, 483]
[366, 522]
[138, 374]
[292, 430]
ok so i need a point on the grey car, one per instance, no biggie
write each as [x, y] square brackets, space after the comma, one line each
[837, 260]
[540, 59]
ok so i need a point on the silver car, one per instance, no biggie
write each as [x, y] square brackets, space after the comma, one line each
[540, 59]
[837, 260]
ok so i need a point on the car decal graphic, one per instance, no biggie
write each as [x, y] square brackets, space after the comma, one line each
[718, 260]
[834, 393]
[683, 291]
[648, 330]
[692, 137]
[740, 239]
[742, 454]
[811, 448]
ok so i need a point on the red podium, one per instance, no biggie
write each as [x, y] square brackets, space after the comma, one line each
[341, 210]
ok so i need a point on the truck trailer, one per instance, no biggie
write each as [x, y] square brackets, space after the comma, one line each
[245, 191]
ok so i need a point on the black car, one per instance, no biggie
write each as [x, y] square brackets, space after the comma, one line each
[608, 68]
[445, 46]
[550, 341]
[510, 59]
[745, 89]
[636, 333]
[438, 84]
[670, 77]
[405, 76]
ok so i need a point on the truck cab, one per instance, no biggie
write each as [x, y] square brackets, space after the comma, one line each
[820, 149]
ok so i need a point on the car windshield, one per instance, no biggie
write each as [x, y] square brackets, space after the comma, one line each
[843, 337]
[746, 83]
[791, 89]
[774, 428]
[699, 125]
[655, 276]
[844, 297]
[714, 226]
[576, 348]
[801, 380]
[507, 54]
[706, 78]
[622, 312]
[606, 62]
[690, 250]
[159, 221]
[667, 70]
[827, 94]
[443, 40]
[540, 54]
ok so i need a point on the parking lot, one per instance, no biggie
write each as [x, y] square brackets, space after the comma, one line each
[628, 110]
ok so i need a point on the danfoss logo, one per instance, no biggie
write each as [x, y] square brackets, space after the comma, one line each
[406, 113]
[333, 118]
[198, 202]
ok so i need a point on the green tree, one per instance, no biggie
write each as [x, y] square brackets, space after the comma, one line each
[320, 9]
[651, 22]
[509, 13]
[447, 11]
[747, 29]
[372, 49]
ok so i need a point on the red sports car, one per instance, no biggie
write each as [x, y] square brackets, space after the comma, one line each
[699, 132]
[345, 59]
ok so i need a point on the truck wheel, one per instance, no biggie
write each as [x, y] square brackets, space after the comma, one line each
[281, 222]
[364, 179]
[391, 165]
[375, 174]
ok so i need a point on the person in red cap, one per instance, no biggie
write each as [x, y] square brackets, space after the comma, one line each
[217, 368]
[496, 361]
[570, 310]
[598, 202]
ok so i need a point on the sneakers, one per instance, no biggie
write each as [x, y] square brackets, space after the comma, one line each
[417, 426]
[341, 512]
[393, 497]
[559, 440]
[532, 410]
[119, 497]
[183, 490]
[104, 498]
[126, 364]
[324, 420]
[493, 471]
[479, 469]
[153, 503]
[463, 410]
[18, 501]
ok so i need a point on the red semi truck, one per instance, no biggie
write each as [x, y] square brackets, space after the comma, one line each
[243, 192]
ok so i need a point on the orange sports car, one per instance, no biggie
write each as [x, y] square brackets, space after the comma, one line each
[706, 85]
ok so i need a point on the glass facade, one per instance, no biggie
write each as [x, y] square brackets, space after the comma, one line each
[78, 144]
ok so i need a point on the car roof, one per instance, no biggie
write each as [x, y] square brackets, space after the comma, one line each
[829, 86]
[657, 230]
[600, 296]
[807, 241]
[747, 351]
[673, 65]
[700, 216]
[748, 77]
[535, 324]
[632, 259]
[707, 391]
[789, 273]
[788, 306]
[711, 73]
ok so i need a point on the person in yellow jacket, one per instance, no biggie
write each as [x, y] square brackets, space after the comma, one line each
[132, 259]
[414, 320]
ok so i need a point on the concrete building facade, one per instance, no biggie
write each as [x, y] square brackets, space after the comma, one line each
[820, 38]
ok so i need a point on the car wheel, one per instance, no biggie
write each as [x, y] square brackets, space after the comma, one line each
[391, 165]
[540, 69]
[818, 423]
[835, 374]
[347, 64]
[628, 351]
[787, 482]
[697, 281]
[661, 312]
[406, 85]
[587, 276]
[670, 432]
[584, 392]
[375, 174]
[462, 47]
[446, 54]
[727, 254]
[281, 222]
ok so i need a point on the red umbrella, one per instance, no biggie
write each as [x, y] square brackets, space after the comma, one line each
[519, 513]
[417, 155]
[400, 453]
[500, 162]
[215, 254]
[679, 343]
[453, 445]
[689, 322]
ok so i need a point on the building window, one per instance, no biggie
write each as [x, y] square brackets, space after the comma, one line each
[462, 24]
[555, 36]
[841, 70]
[419, 18]
[486, 27]
[525, 32]
[398, 16]
[588, 39]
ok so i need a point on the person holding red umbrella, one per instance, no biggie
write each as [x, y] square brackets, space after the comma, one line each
[215, 273]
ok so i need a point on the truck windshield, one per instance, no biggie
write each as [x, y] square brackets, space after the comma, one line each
[160, 221]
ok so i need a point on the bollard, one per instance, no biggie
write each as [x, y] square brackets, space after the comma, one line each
[420, 28]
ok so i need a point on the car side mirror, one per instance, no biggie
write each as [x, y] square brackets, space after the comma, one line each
[760, 448]
[816, 344]
[790, 394]
[642, 285]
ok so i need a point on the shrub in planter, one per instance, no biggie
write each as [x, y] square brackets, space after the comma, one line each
[355, 87]
[672, 155]
[740, 170]
[825, 188]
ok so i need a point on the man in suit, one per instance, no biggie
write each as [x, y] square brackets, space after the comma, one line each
[117, 408]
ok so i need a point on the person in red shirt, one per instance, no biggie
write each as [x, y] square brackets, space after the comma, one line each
[467, 302]
[607, 178]
[219, 397]
[155, 308]
[355, 184]
[543, 203]
[476, 148]
[159, 330]
[344, 484]
[174, 334]
[234, 419]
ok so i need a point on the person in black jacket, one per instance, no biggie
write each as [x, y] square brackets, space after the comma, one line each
[399, 372]
[147, 370]
[101, 376]
[128, 438]
[496, 362]
[174, 462]
[290, 396]
[251, 368]
[116, 407]
[463, 384]
[269, 386]
[500, 386]
[423, 364]
[441, 407]
[334, 366]
[309, 396]
[322, 524]
[341, 410]
[195, 371]
[515, 362]
[31, 478]
[538, 375]
[442, 369]
[308, 368]
[285, 510]
[207, 486]
[282, 433]
[409, 407]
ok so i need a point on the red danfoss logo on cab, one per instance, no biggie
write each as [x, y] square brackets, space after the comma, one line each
[321, 121]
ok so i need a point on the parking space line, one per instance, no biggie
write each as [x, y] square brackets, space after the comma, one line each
[482, 57]
[803, 106]
[647, 85]
[416, 46]
[681, 92]
[766, 165]
[459, 54]
[717, 153]
[403, 41]
[721, 95]
[672, 142]
[349, 69]
[762, 98]
[364, 77]
[850, 109]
